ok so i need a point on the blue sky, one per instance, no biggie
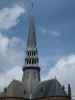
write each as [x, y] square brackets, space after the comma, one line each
[55, 29]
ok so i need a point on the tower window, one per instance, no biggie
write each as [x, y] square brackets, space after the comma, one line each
[24, 92]
[5, 90]
[29, 61]
[32, 61]
[34, 53]
[42, 89]
[35, 61]
[26, 61]
[28, 53]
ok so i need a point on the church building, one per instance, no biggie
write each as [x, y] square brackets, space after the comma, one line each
[31, 87]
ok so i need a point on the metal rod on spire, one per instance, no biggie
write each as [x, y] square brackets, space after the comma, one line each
[32, 4]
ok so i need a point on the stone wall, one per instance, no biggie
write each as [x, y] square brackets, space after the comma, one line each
[42, 98]
[52, 98]
[11, 98]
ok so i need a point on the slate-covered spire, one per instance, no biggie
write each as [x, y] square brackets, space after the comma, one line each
[31, 42]
[31, 50]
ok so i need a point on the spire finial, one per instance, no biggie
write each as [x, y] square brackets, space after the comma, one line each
[32, 7]
[32, 4]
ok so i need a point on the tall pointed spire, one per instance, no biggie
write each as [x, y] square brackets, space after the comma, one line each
[31, 50]
[31, 69]
[31, 42]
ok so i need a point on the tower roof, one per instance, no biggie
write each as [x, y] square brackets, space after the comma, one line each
[31, 42]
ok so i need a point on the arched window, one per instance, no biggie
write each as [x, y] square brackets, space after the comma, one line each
[24, 92]
[32, 61]
[37, 60]
[34, 53]
[28, 53]
[42, 89]
[26, 61]
[29, 61]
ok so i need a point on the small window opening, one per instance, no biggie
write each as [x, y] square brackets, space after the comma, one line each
[42, 89]
[24, 92]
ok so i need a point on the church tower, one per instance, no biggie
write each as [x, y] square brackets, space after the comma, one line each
[31, 70]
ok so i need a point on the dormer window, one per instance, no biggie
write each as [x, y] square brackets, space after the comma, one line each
[24, 92]
[42, 89]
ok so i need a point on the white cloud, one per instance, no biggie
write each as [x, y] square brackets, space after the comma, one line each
[9, 16]
[11, 52]
[11, 59]
[43, 62]
[55, 33]
[6, 78]
[3, 43]
[47, 31]
[64, 70]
